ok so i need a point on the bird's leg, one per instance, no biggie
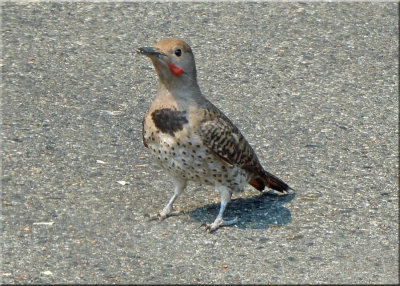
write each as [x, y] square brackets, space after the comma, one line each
[180, 186]
[219, 221]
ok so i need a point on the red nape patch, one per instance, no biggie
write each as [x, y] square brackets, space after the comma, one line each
[175, 70]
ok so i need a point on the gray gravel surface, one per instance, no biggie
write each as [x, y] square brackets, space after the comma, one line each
[312, 86]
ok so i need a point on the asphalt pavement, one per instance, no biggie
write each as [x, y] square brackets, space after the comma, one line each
[312, 86]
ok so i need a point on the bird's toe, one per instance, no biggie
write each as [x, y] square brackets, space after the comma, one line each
[219, 223]
[163, 215]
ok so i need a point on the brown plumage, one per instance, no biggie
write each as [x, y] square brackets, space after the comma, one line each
[192, 139]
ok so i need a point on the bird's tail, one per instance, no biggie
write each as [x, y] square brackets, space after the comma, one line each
[273, 182]
[270, 181]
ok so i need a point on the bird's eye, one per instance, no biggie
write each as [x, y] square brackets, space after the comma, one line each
[178, 52]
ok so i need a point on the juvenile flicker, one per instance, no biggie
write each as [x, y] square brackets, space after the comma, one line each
[192, 139]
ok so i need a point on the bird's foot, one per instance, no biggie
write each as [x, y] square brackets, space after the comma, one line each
[163, 215]
[218, 223]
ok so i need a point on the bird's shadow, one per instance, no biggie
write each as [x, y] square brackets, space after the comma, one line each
[256, 212]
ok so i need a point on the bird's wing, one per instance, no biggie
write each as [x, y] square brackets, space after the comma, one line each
[225, 141]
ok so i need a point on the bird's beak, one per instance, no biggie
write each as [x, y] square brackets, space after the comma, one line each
[149, 52]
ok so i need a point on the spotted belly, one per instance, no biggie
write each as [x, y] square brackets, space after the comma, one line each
[190, 160]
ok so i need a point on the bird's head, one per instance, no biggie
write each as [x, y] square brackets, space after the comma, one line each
[173, 60]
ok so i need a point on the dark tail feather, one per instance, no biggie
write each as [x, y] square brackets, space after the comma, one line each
[270, 181]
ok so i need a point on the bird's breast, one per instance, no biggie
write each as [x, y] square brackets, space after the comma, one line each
[184, 155]
[168, 120]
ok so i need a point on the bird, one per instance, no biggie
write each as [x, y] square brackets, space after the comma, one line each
[192, 139]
